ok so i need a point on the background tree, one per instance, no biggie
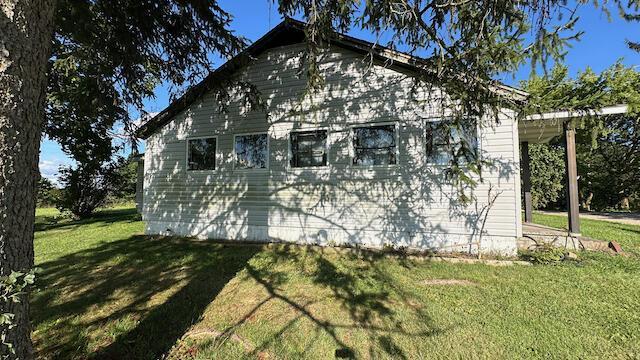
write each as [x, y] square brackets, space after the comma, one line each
[88, 186]
[608, 148]
[610, 167]
[547, 174]
[48, 193]
[127, 170]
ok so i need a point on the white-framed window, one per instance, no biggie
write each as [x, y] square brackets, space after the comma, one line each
[201, 153]
[375, 144]
[446, 140]
[308, 148]
[251, 151]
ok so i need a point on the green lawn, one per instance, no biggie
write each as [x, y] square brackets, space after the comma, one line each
[106, 291]
[628, 236]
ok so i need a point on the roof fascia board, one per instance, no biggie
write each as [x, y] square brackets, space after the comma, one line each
[572, 114]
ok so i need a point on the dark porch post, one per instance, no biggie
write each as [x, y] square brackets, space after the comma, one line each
[573, 207]
[526, 183]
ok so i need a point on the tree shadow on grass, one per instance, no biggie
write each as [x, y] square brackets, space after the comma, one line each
[135, 298]
[132, 298]
[358, 284]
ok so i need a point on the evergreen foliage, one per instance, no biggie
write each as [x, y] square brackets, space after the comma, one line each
[631, 12]
[464, 44]
[108, 56]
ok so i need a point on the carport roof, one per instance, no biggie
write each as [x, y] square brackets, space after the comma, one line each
[540, 128]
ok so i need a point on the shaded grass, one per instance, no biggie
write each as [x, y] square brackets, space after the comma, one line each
[108, 292]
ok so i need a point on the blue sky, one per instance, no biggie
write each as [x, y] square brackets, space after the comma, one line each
[602, 45]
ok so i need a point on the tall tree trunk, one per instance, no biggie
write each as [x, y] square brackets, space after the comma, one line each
[26, 28]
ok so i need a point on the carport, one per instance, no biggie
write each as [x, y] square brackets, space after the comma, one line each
[541, 128]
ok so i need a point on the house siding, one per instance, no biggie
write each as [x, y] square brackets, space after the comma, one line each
[409, 204]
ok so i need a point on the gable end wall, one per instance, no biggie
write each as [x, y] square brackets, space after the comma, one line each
[409, 204]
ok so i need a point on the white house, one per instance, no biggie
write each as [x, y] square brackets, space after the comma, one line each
[360, 162]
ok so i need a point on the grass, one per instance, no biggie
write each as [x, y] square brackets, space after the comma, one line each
[106, 291]
[628, 236]
[57, 235]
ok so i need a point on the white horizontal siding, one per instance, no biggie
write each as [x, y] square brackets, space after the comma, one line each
[409, 204]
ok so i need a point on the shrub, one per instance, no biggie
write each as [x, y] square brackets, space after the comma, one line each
[543, 254]
[86, 187]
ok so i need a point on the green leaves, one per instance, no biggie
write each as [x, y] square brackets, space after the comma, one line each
[614, 86]
[547, 174]
[109, 56]
[608, 146]
[12, 288]
[461, 46]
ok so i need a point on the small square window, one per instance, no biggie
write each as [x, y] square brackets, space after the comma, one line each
[251, 151]
[201, 154]
[446, 139]
[309, 148]
[374, 145]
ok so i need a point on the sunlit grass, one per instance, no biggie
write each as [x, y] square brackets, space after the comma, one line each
[106, 291]
[628, 236]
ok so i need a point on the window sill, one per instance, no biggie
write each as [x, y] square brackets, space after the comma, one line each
[366, 167]
[305, 168]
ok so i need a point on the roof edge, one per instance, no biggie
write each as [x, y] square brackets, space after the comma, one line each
[397, 58]
[572, 114]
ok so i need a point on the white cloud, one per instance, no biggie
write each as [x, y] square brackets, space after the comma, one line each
[49, 168]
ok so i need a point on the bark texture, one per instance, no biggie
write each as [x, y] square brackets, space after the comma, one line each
[26, 27]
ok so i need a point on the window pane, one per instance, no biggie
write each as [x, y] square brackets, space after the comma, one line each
[444, 139]
[440, 132]
[469, 141]
[309, 148]
[251, 151]
[438, 142]
[375, 145]
[202, 154]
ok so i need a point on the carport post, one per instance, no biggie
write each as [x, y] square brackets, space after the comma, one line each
[573, 207]
[526, 183]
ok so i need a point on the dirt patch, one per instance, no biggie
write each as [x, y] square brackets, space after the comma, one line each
[459, 282]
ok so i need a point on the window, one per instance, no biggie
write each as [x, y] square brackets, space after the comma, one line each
[446, 139]
[309, 148]
[374, 145]
[201, 154]
[251, 151]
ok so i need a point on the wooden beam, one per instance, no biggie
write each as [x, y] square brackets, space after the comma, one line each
[526, 183]
[573, 207]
